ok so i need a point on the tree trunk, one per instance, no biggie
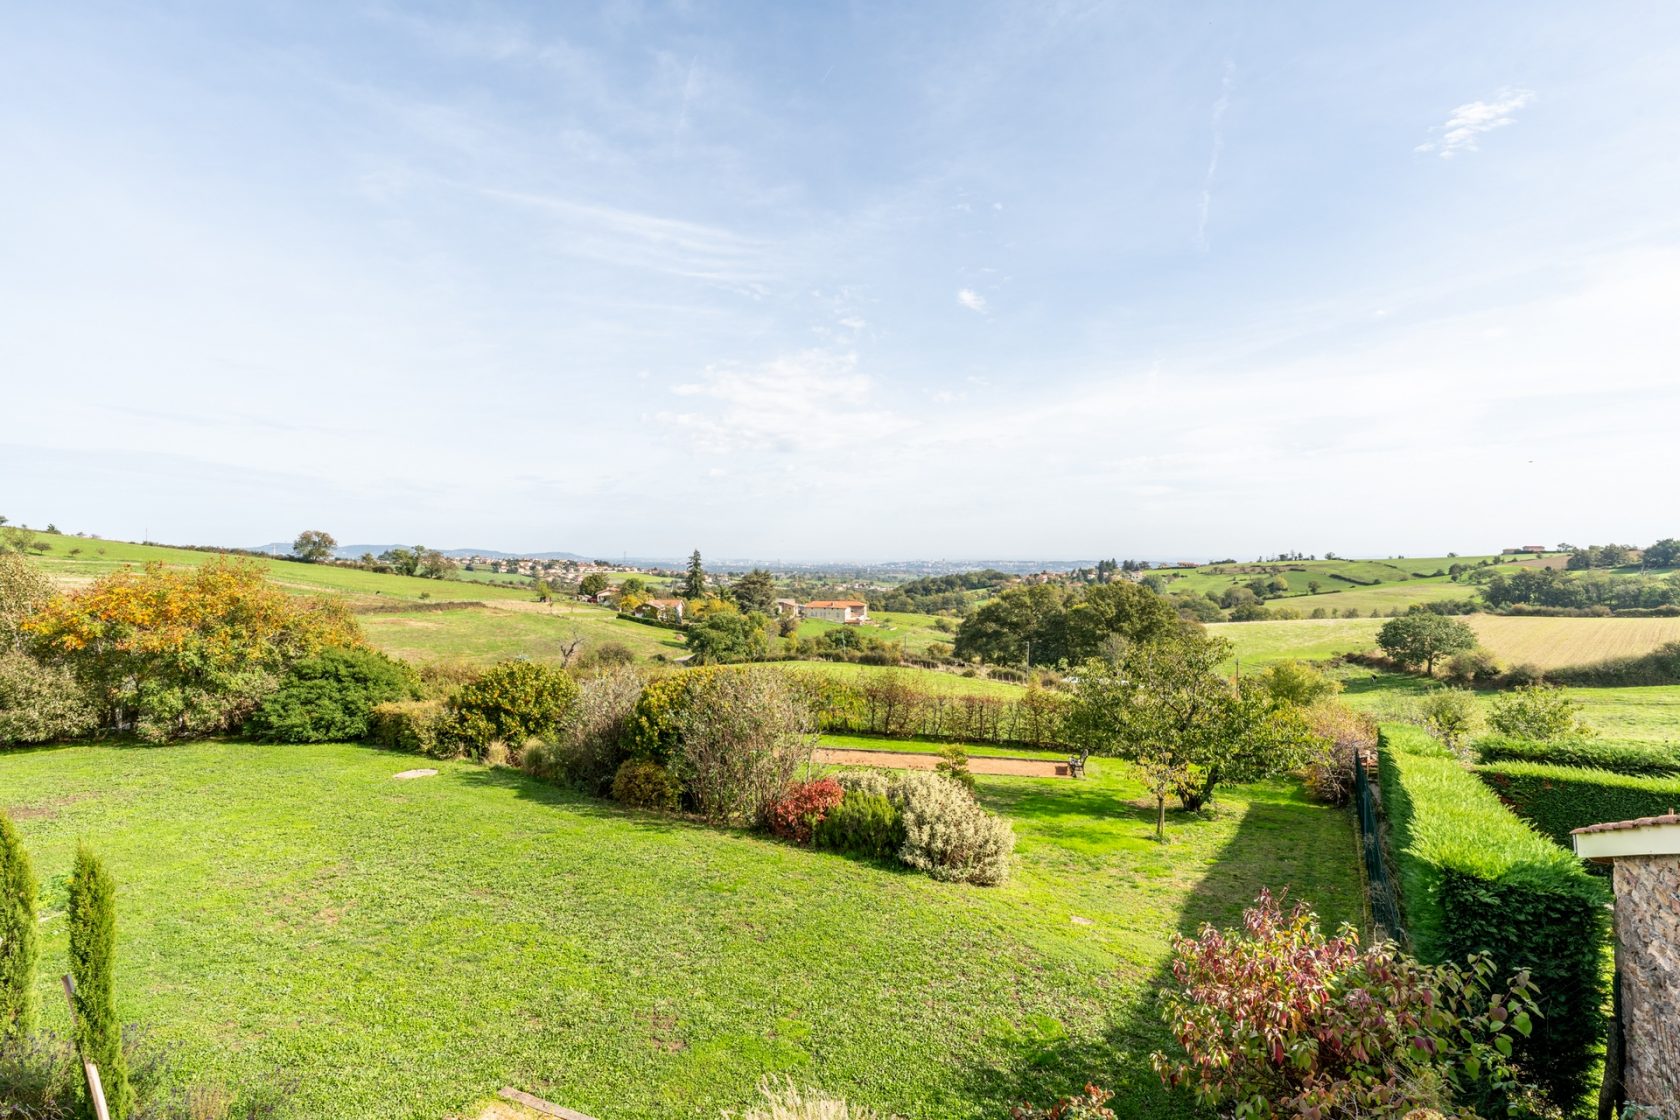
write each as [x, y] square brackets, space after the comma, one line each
[1161, 817]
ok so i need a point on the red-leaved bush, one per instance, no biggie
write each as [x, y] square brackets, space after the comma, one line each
[1092, 1104]
[801, 806]
[1277, 1020]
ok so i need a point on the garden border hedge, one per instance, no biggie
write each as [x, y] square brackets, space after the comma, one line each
[1621, 756]
[1476, 879]
[1558, 799]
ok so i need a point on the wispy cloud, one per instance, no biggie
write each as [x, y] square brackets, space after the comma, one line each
[1219, 108]
[800, 402]
[1467, 122]
[972, 300]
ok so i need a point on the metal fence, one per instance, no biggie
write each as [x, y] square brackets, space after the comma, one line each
[1384, 891]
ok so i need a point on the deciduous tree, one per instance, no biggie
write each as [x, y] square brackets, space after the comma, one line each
[313, 546]
[1424, 638]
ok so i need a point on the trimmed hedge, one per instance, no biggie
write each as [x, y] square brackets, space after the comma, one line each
[1475, 879]
[1620, 756]
[408, 725]
[1558, 799]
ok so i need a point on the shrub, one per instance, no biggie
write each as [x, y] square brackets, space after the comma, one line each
[1559, 799]
[1618, 755]
[330, 697]
[1523, 675]
[588, 749]
[641, 784]
[953, 764]
[18, 935]
[1537, 712]
[1092, 1104]
[864, 781]
[1296, 682]
[1475, 879]
[40, 703]
[1660, 666]
[801, 808]
[1279, 1020]
[607, 655]
[409, 725]
[948, 834]
[440, 678]
[169, 653]
[512, 701]
[1474, 666]
[1450, 715]
[785, 1101]
[864, 823]
[24, 589]
[93, 950]
[1343, 733]
[743, 735]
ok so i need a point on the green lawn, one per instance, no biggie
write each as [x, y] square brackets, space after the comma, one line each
[489, 634]
[402, 949]
[1650, 713]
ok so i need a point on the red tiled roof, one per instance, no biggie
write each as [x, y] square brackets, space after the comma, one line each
[1669, 817]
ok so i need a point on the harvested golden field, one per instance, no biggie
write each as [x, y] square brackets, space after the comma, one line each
[1554, 642]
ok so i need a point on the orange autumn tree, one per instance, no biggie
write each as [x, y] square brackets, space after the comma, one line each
[170, 652]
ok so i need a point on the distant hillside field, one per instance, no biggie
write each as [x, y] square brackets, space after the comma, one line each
[1307, 639]
[1555, 642]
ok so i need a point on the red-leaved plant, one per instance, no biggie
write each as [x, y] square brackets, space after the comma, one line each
[794, 814]
[1277, 1020]
[1092, 1104]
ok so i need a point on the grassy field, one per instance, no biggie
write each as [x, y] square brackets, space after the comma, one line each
[97, 557]
[924, 746]
[1553, 642]
[403, 948]
[914, 631]
[1257, 643]
[496, 632]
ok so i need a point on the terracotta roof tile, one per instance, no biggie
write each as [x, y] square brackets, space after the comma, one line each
[1669, 817]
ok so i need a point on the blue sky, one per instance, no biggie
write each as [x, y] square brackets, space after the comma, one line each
[857, 281]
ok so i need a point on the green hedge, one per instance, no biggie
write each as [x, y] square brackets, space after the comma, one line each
[1558, 799]
[1619, 755]
[1475, 879]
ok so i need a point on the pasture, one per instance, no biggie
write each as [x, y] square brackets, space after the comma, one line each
[496, 631]
[1257, 643]
[930, 681]
[293, 914]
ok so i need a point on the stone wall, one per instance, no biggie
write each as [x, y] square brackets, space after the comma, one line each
[1648, 954]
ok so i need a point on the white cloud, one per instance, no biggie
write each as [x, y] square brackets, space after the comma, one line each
[972, 300]
[1219, 108]
[1467, 122]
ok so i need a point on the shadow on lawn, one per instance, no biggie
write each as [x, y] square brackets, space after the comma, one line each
[1040, 1069]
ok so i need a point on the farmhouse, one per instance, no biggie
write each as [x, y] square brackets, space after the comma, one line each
[787, 608]
[666, 610]
[837, 610]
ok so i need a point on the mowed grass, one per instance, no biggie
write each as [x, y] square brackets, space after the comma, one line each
[97, 557]
[401, 949]
[494, 633]
[1554, 642]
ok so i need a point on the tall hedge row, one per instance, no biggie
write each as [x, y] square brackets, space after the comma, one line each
[1558, 799]
[1475, 879]
[1620, 755]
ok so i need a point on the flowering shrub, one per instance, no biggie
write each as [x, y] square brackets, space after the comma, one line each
[511, 701]
[801, 807]
[1092, 1104]
[947, 833]
[1277, 1020]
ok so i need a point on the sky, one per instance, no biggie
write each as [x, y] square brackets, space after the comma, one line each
[843, 281]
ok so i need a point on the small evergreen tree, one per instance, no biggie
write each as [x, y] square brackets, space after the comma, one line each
[17, 935]
[694, 584]
[93, 948]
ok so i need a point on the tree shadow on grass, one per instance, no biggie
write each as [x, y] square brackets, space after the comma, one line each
[1036, 1067]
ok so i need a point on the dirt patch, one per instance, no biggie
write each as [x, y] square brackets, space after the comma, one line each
[46, 810]
[425, 772]
[910, 760]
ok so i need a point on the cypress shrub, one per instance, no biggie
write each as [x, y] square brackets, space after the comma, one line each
[17, 936]
[1475, 879]
[864, 823]
[1621, 756]
[93, 948]
[1558, 799]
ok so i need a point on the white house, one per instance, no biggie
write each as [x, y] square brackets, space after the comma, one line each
[849, 611]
